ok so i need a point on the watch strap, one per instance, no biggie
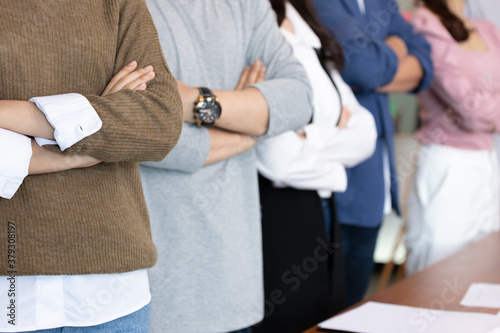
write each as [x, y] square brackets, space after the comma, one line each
[205, 92]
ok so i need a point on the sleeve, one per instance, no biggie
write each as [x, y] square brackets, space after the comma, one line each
[369, 62]
[15, 154]
[374, 66]
[136, 125]
[191, 152]
[417, 46]
[351, 145]
[286, 88]
[287, 160]
[319, 161]
[475, 105]
[69, 127]
[474, 101]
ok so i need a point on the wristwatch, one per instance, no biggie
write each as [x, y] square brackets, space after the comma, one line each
[207, 108]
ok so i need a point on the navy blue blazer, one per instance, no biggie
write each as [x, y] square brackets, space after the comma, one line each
[370, 64]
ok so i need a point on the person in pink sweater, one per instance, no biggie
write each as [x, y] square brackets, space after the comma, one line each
[454, 198]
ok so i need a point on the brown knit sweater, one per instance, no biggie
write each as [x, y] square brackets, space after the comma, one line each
[93, 220]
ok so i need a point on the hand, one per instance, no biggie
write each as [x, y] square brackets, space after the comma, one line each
[345, 115]
[287, 25]
[397, 45]
[225, 144]
[301, 135]
[251, 75]
[189, 96]
[247, 142]
[130, 78]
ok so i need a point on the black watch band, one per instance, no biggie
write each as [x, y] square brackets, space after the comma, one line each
[205, 92]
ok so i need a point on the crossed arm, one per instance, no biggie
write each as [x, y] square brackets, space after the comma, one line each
[409, 72]
[245, 115]
[25, 118]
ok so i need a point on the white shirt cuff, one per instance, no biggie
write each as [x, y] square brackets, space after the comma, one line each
[15, 154]
[44, 142]
[71, 115]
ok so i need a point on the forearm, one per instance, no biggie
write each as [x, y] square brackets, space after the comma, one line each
[47, 161]
[470, 106]
[407, 77]
[398, 46]
[25, 118]
[224, 145]
[243, 111]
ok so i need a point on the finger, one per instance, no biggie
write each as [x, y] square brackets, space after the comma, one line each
[124, 71]
[143, 79]
[342, 119]
[254, 72]
[341, 124]
[142, 86]
[243, 79]
[131, 77]
[348, 114]
[262, 75]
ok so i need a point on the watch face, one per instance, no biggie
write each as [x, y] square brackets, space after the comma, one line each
[208, 110]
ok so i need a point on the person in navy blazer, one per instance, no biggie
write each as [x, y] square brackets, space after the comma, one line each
[382, 54]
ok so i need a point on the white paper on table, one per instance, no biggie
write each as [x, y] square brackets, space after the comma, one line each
[482, 295]
[495, 330]
[374, 317]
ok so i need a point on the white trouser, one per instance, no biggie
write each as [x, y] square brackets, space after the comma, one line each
[453, 200]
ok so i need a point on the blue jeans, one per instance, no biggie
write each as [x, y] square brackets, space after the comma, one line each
[327, 214]
[136, 322]
[358, 246]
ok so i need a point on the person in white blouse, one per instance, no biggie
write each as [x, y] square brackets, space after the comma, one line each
[301, 171]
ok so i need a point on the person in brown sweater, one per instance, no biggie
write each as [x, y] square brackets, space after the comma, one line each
[74, 232]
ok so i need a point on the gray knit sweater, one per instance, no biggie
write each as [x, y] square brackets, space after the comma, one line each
[206, 220]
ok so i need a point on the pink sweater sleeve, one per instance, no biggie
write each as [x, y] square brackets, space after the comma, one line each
[474, 99]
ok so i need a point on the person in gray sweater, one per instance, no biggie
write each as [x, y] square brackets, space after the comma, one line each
[203, 198]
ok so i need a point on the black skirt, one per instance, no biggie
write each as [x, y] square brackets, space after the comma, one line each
[303, 269]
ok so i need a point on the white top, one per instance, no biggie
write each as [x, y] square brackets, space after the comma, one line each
[43, 302]
[318, 162]
[15, 155]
